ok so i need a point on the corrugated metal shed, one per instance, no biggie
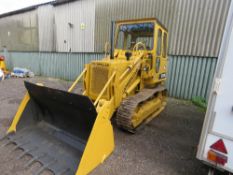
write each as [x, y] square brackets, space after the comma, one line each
[19, 32]
[75, 23]
[190, 76]
[56, 26]
[46, 28]
[195, 26]
[187, 76]
[58, 65]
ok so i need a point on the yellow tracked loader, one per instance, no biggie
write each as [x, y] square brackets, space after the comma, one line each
[70, 133]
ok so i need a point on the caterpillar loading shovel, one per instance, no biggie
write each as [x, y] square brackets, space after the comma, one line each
[70, 133]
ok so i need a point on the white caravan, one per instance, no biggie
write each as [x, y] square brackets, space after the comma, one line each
[216, 143]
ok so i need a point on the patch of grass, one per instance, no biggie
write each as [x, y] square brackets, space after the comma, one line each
[200, 102]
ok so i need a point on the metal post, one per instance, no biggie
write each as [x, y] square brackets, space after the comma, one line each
[111, 40]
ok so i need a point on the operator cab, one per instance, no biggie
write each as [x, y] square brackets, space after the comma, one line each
[131, 34]
[133, 37]
[147, 37]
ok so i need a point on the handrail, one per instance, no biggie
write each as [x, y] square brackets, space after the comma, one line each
[77, 80]
[104, 89]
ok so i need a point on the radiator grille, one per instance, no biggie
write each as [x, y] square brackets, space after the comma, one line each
[99, 77]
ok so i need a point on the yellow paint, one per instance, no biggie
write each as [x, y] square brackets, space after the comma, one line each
[127, 80]
[3, 65]
[19, 113]
[108, 92]
[108, 82]
[132, 87]
[104, 89]
[149, 109]
[76, 81]
[100, 143]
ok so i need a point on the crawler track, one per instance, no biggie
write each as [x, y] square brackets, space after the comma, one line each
[128, 106]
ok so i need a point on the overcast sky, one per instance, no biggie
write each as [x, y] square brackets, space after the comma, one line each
[11, 5]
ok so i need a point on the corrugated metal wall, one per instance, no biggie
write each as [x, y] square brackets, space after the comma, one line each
[67, 27]
[46, 28]
[75, 23]
[19, 32]
[58, 65]
[187, 76]
[190, 76]
[195, 26]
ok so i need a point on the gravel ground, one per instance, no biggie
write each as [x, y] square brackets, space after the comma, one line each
[167, 145]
